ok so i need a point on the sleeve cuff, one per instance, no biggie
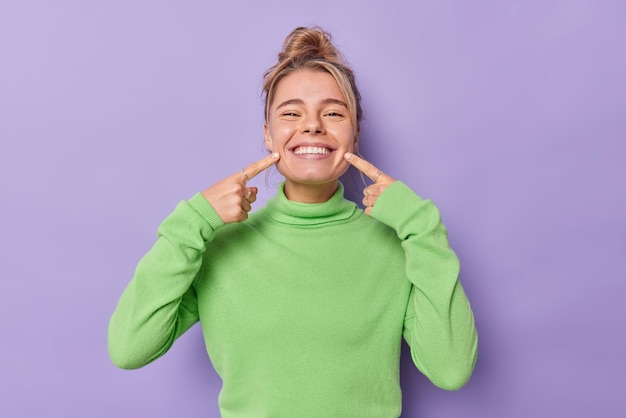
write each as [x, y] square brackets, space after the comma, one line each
[205, 210]
[396, 203]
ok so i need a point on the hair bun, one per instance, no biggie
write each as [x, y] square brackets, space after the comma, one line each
[309, 43]
[311, 49]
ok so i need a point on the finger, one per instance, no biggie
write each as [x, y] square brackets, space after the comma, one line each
[242, 216]
[255, 168]
[374, 189]
[369, 200]
[245, 205]
[252, 191]
[363, 166]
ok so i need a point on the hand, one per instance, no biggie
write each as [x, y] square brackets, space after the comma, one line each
[231, 197]
[380, 179]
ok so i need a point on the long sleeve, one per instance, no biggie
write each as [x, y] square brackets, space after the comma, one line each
[160, 303]
[439, 324]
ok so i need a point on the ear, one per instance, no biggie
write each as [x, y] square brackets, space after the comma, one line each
[356, 139]
[268, 138]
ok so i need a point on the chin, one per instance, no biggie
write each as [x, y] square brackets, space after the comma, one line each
[311, 176]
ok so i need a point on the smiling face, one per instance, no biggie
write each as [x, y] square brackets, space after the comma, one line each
[310, 126]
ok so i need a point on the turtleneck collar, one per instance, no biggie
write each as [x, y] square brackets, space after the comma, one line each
[286, 211]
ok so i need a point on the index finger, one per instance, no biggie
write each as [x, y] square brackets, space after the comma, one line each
[364, 166]
[255, 168]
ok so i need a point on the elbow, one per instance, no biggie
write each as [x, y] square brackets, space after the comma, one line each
[130, 352]
[455, 377]
[453, 381]
[124, 352]
[123, 358]
[125, 363]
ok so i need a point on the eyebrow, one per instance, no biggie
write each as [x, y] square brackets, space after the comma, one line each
[301, 102]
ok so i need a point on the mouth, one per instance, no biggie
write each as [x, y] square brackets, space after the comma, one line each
[312, 150]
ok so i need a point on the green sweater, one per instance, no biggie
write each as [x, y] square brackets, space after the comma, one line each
[303, 306]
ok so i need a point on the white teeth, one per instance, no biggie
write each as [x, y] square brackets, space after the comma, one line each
[311, 150]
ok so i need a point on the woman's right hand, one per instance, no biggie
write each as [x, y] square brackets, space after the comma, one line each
[231, 197]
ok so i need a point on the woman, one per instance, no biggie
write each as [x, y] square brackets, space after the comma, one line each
[303, 303]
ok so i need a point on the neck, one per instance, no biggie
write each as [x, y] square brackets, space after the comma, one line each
[310, 193]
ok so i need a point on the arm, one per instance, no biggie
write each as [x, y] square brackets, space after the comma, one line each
[439, 324]
[159, 304]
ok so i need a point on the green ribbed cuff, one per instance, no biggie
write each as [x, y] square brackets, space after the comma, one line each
[205, 210]
[397, 202]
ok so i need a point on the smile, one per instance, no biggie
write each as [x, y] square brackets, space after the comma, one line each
[311, 150]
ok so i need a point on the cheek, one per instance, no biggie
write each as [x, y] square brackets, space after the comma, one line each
[279, 135]
[347, 138]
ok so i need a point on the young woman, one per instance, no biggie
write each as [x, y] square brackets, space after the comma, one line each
[303, 303]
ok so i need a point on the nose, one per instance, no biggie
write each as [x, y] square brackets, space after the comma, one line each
[312, 124]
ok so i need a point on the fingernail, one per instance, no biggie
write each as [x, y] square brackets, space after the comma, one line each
[275, 155]
[348, 156]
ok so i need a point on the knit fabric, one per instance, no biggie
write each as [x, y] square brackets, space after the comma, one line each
[303, 306]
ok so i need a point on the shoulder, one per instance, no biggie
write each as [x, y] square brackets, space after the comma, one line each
[368, 227]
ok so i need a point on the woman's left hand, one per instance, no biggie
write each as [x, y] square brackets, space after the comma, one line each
[380, 179]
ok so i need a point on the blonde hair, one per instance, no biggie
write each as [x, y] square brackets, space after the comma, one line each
[312, 49]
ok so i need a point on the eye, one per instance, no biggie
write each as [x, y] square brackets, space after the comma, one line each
[335, 115]
[289, 114]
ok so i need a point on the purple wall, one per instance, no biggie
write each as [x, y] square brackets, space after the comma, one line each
[509, 115]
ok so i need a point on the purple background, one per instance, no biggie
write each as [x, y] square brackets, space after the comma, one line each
[510, 115]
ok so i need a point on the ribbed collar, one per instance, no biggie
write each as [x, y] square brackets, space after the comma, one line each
[286, 211]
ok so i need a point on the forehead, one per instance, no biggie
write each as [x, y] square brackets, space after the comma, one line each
[309, 86]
